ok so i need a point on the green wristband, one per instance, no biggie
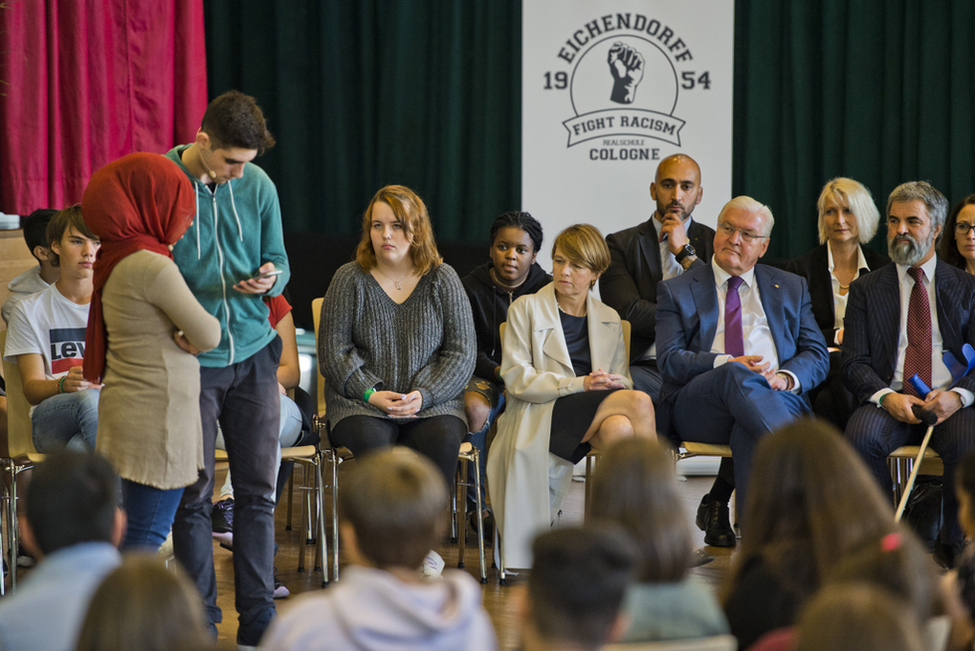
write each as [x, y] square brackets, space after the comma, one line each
[880, 400]
[61, 384]
[368, 394]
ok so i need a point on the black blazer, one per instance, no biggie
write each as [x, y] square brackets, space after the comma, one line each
[814, 267]
[873, 325]
[629, 286]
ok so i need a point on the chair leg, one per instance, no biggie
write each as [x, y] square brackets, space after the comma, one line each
[291, 490]
[302, 543]
[480, 513]
[335, 516]
[320, 500]
[13, 539]
[460, 512]
[499, 553]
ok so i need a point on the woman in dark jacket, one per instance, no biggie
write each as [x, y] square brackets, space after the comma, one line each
[848, 219]
[512, 271]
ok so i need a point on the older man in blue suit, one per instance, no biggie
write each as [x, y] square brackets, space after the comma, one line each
[737, 343]
[900, 321]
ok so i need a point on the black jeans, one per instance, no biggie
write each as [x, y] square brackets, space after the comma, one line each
[244, 397]
[437, 438]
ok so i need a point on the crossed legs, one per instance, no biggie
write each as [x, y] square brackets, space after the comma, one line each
[621, 415]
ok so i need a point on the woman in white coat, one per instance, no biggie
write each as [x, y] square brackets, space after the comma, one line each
[566, 377]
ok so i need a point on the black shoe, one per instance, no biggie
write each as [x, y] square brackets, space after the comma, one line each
[488, 524]
[947, 554]
[222, 522]
[713, 519]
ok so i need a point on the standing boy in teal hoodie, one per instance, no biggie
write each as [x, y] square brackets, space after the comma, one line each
[231, 257]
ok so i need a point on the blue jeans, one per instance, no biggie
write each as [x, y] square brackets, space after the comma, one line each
[244, 397]
[479, 440]
[66, 420]
[150, 512]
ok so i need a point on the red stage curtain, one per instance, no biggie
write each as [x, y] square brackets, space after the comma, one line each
[85, 82]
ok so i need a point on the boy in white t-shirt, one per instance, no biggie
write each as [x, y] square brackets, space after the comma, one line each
[46, 339]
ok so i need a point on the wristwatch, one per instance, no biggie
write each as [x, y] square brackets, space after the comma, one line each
[688, 250]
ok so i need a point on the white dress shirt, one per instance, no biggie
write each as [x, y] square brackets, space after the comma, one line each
[940, 375]
[668, 265]
[839, 300]
[755, 333]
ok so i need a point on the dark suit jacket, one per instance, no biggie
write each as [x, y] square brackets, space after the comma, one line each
[687, 318]
[629, 286]
[814, 267]
[873, 325]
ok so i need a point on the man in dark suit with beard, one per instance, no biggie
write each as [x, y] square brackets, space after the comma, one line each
[899, 322]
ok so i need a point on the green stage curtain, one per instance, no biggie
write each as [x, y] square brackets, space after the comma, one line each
[877, 90]
[366, 93]
[427, 93]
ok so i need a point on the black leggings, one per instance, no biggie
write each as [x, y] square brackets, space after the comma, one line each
[437, 438]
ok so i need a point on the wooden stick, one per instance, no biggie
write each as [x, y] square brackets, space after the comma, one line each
[914, 472]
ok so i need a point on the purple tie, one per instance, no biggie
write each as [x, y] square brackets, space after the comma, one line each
[732, 319]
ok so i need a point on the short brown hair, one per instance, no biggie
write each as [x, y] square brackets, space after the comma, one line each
[583, 244]
[412, 213]
[635, 487]
[396, 502]
[63, 222]
[235, 120]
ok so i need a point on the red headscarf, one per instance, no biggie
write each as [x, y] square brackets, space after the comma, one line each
[140, 201]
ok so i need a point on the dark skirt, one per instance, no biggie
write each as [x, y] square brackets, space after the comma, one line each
[571, 417]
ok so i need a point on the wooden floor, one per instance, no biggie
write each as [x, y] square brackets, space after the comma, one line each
[497, 598]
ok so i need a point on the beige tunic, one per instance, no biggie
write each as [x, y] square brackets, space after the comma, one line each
[149, 410]
[537, 370]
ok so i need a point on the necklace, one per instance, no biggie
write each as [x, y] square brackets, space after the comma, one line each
[559, 305]
[844, 287]
[399, 286]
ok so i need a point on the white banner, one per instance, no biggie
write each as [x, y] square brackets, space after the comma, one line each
[609, 89]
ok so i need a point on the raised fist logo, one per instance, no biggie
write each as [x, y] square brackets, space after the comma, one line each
[626, 66]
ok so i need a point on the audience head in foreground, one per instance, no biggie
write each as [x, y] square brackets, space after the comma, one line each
[393, 512]
[576, 587]
[72, 499]
[73, 525]
[817, 504]
[897, 563]
[635, 488]
[393, 509]
[858, 618]
[143, 605]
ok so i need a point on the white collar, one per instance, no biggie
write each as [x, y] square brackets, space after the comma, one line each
[657, 224]
[861, 260]
[928, 268]
[721, 276]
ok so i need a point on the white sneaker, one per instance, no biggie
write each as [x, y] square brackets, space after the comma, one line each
[433, 565]
[165, 552]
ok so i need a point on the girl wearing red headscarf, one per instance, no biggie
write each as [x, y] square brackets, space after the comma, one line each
[144, 328]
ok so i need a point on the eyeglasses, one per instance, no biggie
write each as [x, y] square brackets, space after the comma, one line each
[962, 228]
[728, 230]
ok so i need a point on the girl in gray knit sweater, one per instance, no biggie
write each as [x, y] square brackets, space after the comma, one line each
[396, 343]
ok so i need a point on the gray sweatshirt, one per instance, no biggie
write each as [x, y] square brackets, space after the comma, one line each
[373, 610]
